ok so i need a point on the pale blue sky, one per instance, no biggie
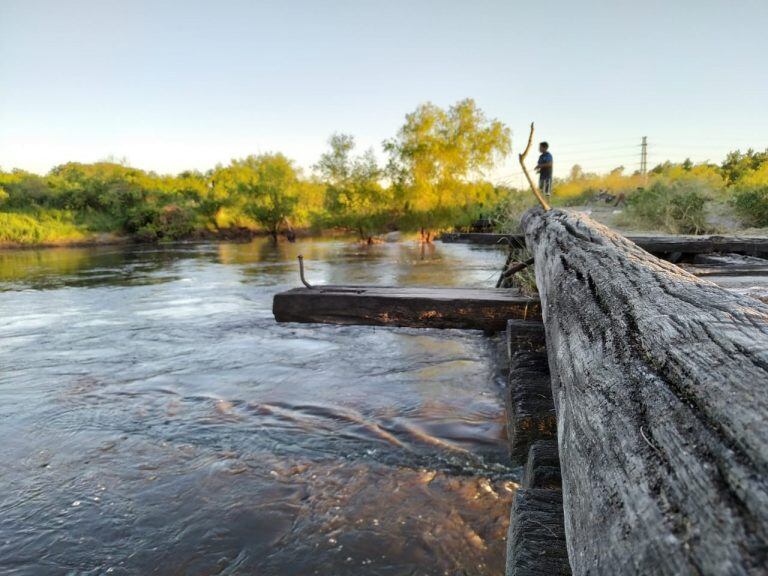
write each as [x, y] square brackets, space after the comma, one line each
[172, 85]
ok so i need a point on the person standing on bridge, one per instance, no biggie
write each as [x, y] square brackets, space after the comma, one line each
[544, 168]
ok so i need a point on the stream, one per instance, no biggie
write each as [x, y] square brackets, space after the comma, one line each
[156, 419]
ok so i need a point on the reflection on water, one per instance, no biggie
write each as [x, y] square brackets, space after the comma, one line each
[157, 420]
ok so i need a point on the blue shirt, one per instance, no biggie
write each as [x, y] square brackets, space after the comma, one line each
[545, 173]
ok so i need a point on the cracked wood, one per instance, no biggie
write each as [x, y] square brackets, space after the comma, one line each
[660, 382]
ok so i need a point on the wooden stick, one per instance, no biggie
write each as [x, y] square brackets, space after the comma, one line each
[512, 270]
[535, 190]
[504, 269]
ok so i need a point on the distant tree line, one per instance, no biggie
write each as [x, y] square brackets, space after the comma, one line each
[434, 177]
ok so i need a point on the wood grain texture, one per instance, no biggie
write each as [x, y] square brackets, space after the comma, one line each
[536, 538]
[525, 335]
[480, 309]
[542, 469]
[530, 410]
[661, 390]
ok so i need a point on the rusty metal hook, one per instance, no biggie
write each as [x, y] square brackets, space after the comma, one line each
[301, 272]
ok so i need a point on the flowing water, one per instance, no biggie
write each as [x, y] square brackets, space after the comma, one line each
[156, 420]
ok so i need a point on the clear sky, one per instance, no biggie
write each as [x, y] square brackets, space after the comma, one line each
[174, 85]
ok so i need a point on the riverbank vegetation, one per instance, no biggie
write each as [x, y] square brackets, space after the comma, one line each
[435, 176]
[677, 198]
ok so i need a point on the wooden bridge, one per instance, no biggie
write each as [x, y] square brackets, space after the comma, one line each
[638, 406]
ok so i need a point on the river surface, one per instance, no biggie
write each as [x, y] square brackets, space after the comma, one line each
[156, 420]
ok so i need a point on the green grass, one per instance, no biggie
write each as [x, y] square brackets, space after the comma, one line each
[39, 227]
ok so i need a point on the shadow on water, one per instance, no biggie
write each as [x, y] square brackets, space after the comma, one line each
[160, 422]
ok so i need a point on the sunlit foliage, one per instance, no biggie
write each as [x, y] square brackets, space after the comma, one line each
[436, 177]
[438, 159]
[354, 195]
[268, 190]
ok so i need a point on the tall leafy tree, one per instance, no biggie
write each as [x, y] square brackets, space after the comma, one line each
[438, 154]
[354, 195]
[268, 188]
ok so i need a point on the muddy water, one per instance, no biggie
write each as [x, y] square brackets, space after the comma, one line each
[156, 420]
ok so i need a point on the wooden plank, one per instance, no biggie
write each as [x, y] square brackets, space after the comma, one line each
[660, 382]
[465, 308]
[727, 259]
[530, 409]
[483, 238]
[524, 335]
[750, 245]
[730, 270]
[542, 469]
[536, 539]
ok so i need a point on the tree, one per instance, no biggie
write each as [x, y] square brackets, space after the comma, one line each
[577, 173]
[268, 189]
[354, 196]
[437, 153]
[737, 164]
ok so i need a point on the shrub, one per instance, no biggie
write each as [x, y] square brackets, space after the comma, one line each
[751, 205]
[677, 208]
[506, 216]
[174, 222]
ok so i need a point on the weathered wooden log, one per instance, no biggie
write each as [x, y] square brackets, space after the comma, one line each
[660, 245]
[525, 335]
[484, 238]
[467, 308]
[727, 259]
[660, 381]
[530, 410]
[542, 469]
[751, 245]
[536, 538]
[744, 270]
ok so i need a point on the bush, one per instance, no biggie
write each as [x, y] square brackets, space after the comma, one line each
[175, 222]
[506, 216]
[676, 208]
[38, 227]
[751, 205]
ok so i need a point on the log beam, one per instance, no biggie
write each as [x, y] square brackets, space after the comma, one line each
[535, 543]
[417, 307]
[542, 469]
[658, 245]
[660, 382]
[530, 411]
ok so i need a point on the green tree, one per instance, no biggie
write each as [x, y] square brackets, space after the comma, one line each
[268, 190]
[437, 153]
[737, 165]
[354, 197]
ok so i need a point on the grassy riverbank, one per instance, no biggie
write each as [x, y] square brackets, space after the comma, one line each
[47, 227]
[435, 179]
[682, 198]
